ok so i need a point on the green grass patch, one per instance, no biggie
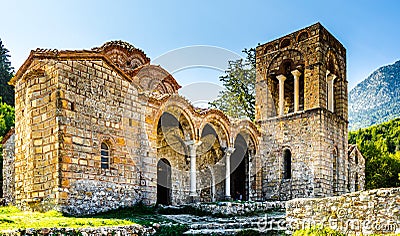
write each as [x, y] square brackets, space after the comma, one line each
[317, 231]
[13, 218]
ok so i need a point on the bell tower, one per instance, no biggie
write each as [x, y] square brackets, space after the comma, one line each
[301, 105]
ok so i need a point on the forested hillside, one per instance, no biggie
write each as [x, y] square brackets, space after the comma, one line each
[380, 145]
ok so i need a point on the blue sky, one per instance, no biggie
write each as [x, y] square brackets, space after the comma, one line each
[368, 29]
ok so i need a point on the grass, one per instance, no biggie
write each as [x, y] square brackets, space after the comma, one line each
[13, 218]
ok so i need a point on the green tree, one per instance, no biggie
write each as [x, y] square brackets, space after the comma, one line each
[7, 117]
[380, 145]
[238, 98]
[6, 73]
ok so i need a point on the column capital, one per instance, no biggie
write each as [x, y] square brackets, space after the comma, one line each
[296, 73]
[281, 78]
[193, 143]
[230, 150]
[331, 77]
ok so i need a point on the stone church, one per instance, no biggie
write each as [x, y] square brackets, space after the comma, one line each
[104, 128]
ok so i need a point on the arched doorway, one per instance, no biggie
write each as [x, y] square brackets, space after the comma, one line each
[210, 154]
[163, 182]
[240, 170]
[173, 130]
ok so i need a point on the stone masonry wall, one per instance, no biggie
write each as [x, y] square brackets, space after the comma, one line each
[36, 139]
[98, 105]
[298, 134]
[312, 160]
[367, 212]
[8, 170]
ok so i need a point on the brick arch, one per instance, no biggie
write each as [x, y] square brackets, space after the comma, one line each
[177, 106]
[155, 78]
[249, 130]
[303, 35]
[294, 55]
[332, 63]
[220, 123]
[339, 68]
[123, 54]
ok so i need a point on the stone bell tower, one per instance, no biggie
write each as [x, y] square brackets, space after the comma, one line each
[301, 106]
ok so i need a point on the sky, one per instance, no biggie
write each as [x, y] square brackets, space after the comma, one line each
[369, 30]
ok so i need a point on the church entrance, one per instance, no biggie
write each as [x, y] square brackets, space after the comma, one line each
[163, 182]
[240, 170]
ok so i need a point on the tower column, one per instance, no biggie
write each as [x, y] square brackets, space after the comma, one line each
[228, 173]
[281, 79]
[330, 78]
[296, 74]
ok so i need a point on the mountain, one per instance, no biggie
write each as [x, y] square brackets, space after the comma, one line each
[376, 99]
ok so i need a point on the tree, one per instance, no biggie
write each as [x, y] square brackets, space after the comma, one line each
[380, 145]
[6, 73]
[7, 117]
[238, 98]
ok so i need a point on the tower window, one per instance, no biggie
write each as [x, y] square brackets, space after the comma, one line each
[287, 164]
[105, 156]
[335, 170]
[285, 43]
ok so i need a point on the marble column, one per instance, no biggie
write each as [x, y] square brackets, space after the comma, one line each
[296, 74]
[281, 79]
[192, 145]
[228, 154]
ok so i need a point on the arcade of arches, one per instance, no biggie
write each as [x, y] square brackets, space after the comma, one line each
[200, 158]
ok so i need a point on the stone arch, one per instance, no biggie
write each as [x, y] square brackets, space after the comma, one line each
[334, 83]
[250, 130]
[295, 55]
[302, 36]
[269, 48]
[179, 107]
[285, 43]
[220, 123]
[332, 63]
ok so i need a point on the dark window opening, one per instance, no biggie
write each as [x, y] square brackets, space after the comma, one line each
[105, 156]
[287, 162]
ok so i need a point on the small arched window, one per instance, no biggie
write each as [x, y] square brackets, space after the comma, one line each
[302, 36]
[287, 164]
[105, 156]
[285, 43]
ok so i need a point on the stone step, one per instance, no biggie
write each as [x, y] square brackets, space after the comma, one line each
[203, 225]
